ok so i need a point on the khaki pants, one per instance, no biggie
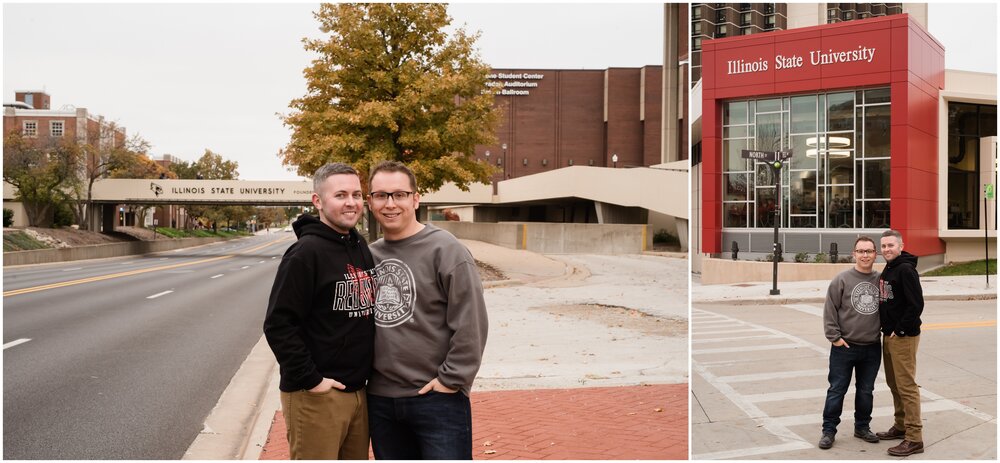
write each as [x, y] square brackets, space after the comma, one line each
[328, 426]
[899, 356]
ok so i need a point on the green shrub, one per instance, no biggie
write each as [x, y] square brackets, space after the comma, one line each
[802, 257]
[63, 215]
[20, 241]
[821, 258]
[8, 218]
[663, 237]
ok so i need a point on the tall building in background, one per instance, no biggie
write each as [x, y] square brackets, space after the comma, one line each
[718, 20]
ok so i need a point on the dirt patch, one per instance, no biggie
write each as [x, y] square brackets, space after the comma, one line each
[622, 317]
[143, 234]
[72, 237]
[488, 272]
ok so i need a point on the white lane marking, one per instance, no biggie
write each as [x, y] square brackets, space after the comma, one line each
[726, 350]
[741, 330]
[71, 269]
[805, 308]
[729, 339]
[217, 276]
[772, 376]
[801, 394]
[159, 294]
[261, 262]
[879, 412]
[15, 343]
[727, 454]
[274, 257]
[244, 267]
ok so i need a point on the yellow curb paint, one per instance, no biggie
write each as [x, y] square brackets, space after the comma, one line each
[643, 238]
[947, 326]
[524, 236]
[63, 284]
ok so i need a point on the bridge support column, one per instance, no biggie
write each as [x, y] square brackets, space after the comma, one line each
[94, 217]
[108, 217]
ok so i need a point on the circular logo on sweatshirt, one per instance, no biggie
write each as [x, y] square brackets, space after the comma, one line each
[864, 298]
[394, 303]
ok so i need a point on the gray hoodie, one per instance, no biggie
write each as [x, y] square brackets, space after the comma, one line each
[851, 310]
[430, 315]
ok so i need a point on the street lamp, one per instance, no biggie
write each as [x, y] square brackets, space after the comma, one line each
[614, 160]
[504, 148]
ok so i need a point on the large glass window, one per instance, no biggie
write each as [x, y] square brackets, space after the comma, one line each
[838, 176]
[967, 123]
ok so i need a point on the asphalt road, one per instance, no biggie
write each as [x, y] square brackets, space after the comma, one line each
[759, 381]
[124, 358]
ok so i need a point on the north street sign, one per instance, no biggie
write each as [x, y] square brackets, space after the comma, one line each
[769, 156]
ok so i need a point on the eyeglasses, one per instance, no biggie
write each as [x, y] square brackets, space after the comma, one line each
[865, 251]
[397, 196]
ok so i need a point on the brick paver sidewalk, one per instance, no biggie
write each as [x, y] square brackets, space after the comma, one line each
[601, 423]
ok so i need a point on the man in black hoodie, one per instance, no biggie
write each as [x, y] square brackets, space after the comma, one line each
[901, 301]
[319, 323]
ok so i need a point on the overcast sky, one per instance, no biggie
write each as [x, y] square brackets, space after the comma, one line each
[187, 77]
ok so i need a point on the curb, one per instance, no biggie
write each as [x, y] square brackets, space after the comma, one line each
[235, 419]
[805, 300]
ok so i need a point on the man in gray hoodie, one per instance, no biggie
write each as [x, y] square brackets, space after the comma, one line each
[430, 329]
[851, 321]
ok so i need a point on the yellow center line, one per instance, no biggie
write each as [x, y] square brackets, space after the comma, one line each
[63, 284]
[946, 326]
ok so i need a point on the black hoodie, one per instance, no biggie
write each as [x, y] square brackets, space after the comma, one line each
[319, 319]
[901, 300]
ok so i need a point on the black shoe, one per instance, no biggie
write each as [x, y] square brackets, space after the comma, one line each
[866, 436]
[826, 441]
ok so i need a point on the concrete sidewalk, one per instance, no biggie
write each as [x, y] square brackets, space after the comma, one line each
[755, 293]
[587, 359]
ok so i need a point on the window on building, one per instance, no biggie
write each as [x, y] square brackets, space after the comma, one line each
[746, 31]
[696, 28]
[768, 8]
[769, 22]
[30, 128]
[848, 15]
[696, 44]
[56, 128]
[967, 123]
[720, 31]
[745, 19]
[745, 7]
[862, 15]
[838, 176]
[831, 13]
[696, 12]
[720, 16]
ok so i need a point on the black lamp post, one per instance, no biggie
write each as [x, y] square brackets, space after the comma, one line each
[504, 158]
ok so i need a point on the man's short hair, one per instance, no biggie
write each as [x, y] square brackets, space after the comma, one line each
[865, 238]
[326, 170]
[393, 166]
[890, 232]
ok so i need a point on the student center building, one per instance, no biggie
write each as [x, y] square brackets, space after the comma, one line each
[881, 136]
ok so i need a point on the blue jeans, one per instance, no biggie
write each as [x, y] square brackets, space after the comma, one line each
[865, 360]
[435, 426]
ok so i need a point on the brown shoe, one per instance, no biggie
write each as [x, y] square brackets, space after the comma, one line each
[892, 433]
[906, 448]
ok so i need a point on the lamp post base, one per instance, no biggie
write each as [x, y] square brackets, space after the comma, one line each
[775, 292]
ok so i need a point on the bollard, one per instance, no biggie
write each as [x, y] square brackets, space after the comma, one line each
[736, 250]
